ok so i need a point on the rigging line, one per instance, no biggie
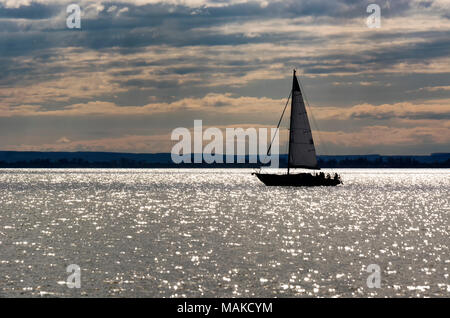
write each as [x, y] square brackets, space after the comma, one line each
[313, 119]
[279, 122]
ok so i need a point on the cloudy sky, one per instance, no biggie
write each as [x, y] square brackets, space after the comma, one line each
[137, 69]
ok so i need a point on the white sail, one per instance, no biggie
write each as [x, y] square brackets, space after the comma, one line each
[302, 153]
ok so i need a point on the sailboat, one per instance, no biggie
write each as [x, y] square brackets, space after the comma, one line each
[302, 153]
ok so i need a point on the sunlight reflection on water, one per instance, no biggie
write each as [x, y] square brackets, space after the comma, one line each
[181, 232]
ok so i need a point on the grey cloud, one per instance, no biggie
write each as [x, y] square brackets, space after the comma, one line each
[151, 26]
[412, 116]
[148, 82]
[34, 11]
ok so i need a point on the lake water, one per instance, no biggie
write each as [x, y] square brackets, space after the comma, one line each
[222, 233]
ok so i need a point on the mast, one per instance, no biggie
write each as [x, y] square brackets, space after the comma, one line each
[290, 125]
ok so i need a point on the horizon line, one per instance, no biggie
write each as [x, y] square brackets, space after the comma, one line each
[161, 153]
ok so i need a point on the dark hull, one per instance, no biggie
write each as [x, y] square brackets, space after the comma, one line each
[297, 180]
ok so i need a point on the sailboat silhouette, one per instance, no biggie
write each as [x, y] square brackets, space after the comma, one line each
[302, 153]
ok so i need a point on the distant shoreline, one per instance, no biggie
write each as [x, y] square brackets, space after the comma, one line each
[29, 159]
[199, 168]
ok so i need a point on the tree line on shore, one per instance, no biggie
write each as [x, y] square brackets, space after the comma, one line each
[360, 162]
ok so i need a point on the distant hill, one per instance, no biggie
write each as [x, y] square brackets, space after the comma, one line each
[31, 159]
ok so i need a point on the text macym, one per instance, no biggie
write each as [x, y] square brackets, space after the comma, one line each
[246, 307]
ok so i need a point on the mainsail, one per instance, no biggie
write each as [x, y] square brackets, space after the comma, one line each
[302, 153]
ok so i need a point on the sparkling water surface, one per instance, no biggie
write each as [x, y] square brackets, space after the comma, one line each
[222, 233]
